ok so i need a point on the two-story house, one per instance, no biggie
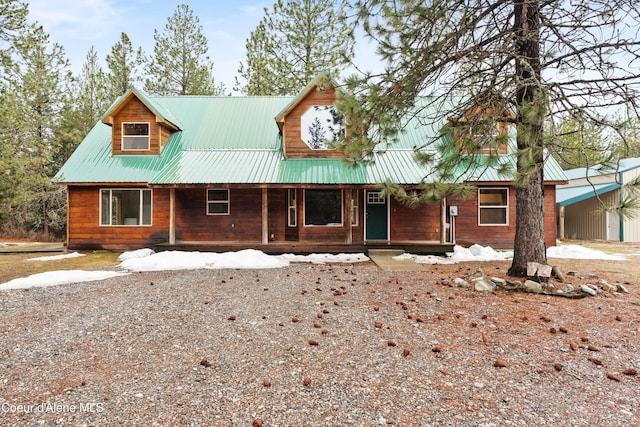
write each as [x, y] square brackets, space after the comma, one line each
[224, 173]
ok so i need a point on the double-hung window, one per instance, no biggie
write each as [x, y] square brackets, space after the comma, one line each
[125, 207]
[218, 202]
[493, 206]
[135, 136]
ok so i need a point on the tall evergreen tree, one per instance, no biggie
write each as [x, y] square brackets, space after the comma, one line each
[36, 80]
[538, 60]
[295, 42]
[123, 63]
[180, 65]
[13, 14]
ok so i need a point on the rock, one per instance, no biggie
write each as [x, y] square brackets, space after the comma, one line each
[605, 286]
[205, 363]
[533, 286]
[622, 289]
[406, 352]
[557, 274]
[630, 371]
[588, 290]
[557, 367]
[567, 289]
[535, 269]
[306, 381]
[515, 283]
[437, 349]
[484, 285]
[498, 281]
[257, 422]
[266, 383]
[313, 342]
[461, 283]
[478, 274]
[391, 343]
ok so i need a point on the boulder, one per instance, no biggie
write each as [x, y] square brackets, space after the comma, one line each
[484, 285]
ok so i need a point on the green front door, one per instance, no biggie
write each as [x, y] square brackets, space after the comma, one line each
[377, 215]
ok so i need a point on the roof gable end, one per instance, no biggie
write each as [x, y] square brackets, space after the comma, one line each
[163, 117]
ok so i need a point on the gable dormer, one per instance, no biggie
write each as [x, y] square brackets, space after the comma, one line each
[486, 125]
[311, 122]
[138, 125]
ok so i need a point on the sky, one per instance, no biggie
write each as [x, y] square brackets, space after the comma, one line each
[147, 260]
[77, 25]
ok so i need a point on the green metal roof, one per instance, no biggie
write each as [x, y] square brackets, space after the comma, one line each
[236, 140]
[569, 195]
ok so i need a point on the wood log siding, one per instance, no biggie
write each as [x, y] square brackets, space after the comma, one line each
[294, 146]
[469, 232]
[414, 224]
[135, 111]
[85, 231]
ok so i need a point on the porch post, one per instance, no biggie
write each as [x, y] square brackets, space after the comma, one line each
[172, 214]
[443, 220]
[561, 223]
[265, 217]
[348, 201]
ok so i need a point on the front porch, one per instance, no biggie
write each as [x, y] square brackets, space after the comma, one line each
[426, 247]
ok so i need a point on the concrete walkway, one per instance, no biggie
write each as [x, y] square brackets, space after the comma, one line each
[383, 258]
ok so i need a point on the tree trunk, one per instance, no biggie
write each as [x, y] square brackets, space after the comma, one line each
[529, 243]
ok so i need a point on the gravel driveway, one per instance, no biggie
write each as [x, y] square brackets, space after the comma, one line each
[314, 345]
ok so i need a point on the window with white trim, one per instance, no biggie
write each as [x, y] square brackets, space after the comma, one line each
[292, 208]
[323, 207]
[354, 207]
[135, 136]
[218, 202]
[375, 198]
[493, 206]
[125, 207]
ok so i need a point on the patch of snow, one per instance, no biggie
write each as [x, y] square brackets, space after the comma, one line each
[461, 254]
[61, 277]
[580, 252]
[55, 257]
[178, 260]
[325, 258]
[140, 253]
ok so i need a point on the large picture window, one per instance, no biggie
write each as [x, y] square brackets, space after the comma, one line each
[493, 206]
[135, 136]
[217, 202]
[323, 207]
[125, 207]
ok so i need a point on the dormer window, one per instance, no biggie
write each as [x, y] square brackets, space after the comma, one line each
[321, 125]
[135, 136]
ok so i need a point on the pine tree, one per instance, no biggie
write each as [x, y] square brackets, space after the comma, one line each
[540, 61]
[295, 42]
[180, 65]
[123, 63]
[36, 81]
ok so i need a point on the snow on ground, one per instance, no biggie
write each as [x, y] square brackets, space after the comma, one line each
[325, 258]
[580, 252]
[55, 257]
[148, 260]
[177, 260]
[61, 277]
[460, 254]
